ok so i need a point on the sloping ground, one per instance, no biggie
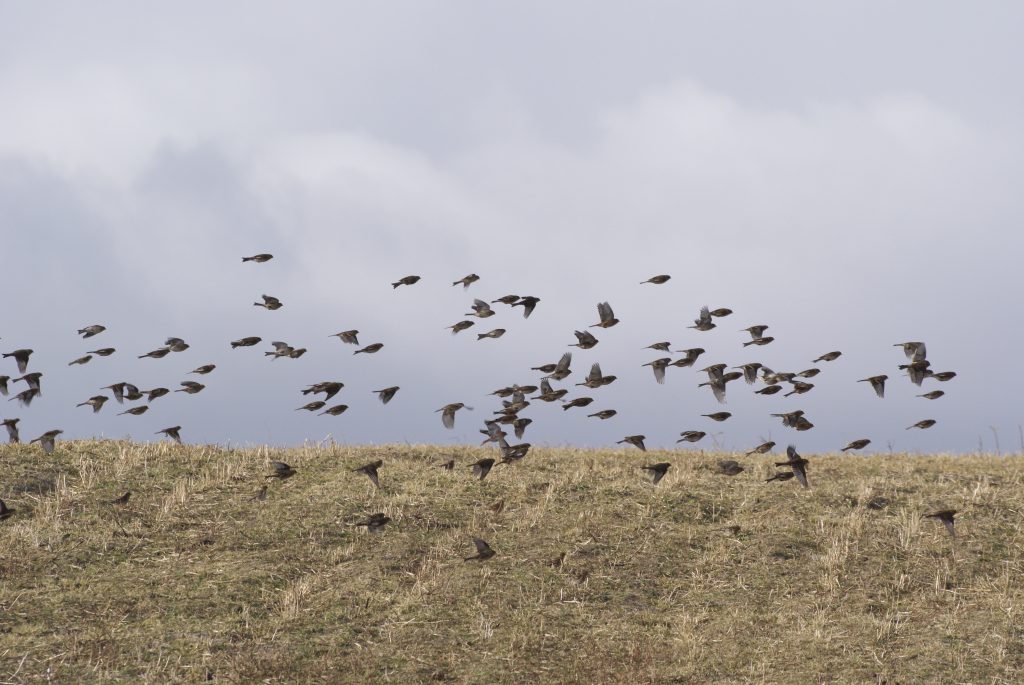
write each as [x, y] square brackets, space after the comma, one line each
[599, 576]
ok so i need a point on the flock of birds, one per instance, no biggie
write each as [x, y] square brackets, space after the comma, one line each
[514, 398]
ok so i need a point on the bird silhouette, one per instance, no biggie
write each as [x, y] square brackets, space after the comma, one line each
[21, 357]
[5, 511]
[482, 467]
[405, 280]
[350, 337]
[763, 448]
[47, 440]
[658, 471]
[604, 311]
[877, 383]
[857, 445]
[269, 302]
[926, 423]
[371, 471]
[657, 280]
[483, 551]
[259, 258]
[96, 402]
[371, 349]
[12, 430]
[729, 467]
[466, 281]
[173, 433]
[385, 395]
[603, 414]
[635, 440]
[528, 303]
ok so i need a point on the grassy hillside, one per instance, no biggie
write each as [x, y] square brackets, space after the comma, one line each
[599, 576]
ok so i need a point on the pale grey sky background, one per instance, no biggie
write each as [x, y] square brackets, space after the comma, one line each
[847, 173]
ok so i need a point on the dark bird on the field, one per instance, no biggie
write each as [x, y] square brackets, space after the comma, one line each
[877, 382]
[658, 471]
[374, 523]
[122, 500]
[405, 280]
[780, 475]
[5, 511]
[483, 551]
[635, 440]
[729, 467]
[370, 470]
[174, 433]
[259, 258]
[797, 463]
[604, 312]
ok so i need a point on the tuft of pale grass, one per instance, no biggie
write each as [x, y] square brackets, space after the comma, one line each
[599, 577]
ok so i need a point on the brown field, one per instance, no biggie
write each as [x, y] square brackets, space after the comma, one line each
[599, 576]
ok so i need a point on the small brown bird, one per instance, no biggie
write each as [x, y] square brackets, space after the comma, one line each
[483, 551]
[47, 440]
[780, 475]
[281, 470]
[496, 333]
[690, 357]
[559, 371]
[461, 326]
[635, 440]
[660, 346]
[176, 344]
[281, 349]
[405, 280]
[718, 415]
[118, 390]
[374, 523]
[259, 258]
[328, 388]
[917, 370]
[762, 448]
[155, 393]
[603, 414]
[507, 299]
[584, 340]
[828, 357]
[448, 413]
[604, 311]
[750, 371]
[173, 433]
[386, 394]
[720, 312]
[481, 309]
[946, 516]
[789, 418]
[20, 356]
[350, 337]
[926, 423]
[729, 467]
[797, 463]
[809, 373]
[203, 370]
[467, 281]
[336, 410]
[12, 430]
[658, 366]
[528, 303]
[691, 436]
[103, 351]
[519, 426]
[770, 390]
[755, 331]
[371, 349]
[269, 302]
[799, 388]
[136, 411]
[877, 382]
[944, 376]
[933, 395]
[657, 280]
[312, 406]
[548, 394]
[96, 402]
[261, 495]
[766, 340]
[190, 387]
[703, 322]
[122, 500]
[32, 379]
[25, 397]
[658, 471]
[595, 379]
[81, 360]
[90, 331]
[482, 467]
[915, 351]
[371, 471]
[246, 342]
[857, 445]
[159, 353]
[578, 402]
[5, 511]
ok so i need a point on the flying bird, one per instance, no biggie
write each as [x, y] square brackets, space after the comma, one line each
[386, 394]
[603, 414]
[21, 357]
[350, 337]
[371, 349]
[159, 353]
[190, 387]
[246, 342]
[405, 280]
[660, 346]
[312, 406]
[857, 445]
[81, 360]
[203, 370]
[461, 326]
[703, 322]
[259, 258]
[336, 410]
[635, 440]
[135, 411]
[718, 415]
[657, 280]
[947, 518]
[482, 467]
[467, 281]
[90, 331]
[933, 395]
[528, 303]
[877, 383]
[604, 311]
[691, 436]
[173, 433]
[578, 402]
[762, 448]
[47, 440]
[658, 366]
[658, 471]
[374, 523]
[926, 423]
[12, 430]
[96, 402]
[915, 351]
[370, 470]
[828, 357]
[797, 463]
[269, 302]
[103, 351]
[448, 413]
[585, 340]
[496, 333]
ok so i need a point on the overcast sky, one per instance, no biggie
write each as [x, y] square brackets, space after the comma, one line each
[847, 173]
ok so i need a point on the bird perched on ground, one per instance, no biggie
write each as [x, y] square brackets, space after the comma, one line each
[603, 414]
[729, 467]
[604, 311]
[21, 357]
[259, 258]
[269, 302]
[635, 440]
[374, 523]
[578, 402]
[762, 448]
[246, 342]
[103, 351]
[658, 366]
[5, 511]
[370, 470]
[483, 551]
[90, 331]
[461, 326]
[703, 322]
[690, 356]
[467, 280]
[658, 471]
[203, 370]
[12, 430]
[528, 303]
[47, 440]
[595, 379]
[386, 394]
[718, 415]
[496, 333]
[797, 463]
[857, 445]
[584, 340]
[405, 280]
[350, 337]
[828, 357]
[173, 433]
[135, 411]
[371, 349]
[926, 423]
[336, 410]
[190, 387]
[482, 467]
[657, 280]
[96, 402]
[947, 518]
[81, 360]
[691, 436]
[281, 470]
[122, 500]
[877, 382]
[448, 413]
